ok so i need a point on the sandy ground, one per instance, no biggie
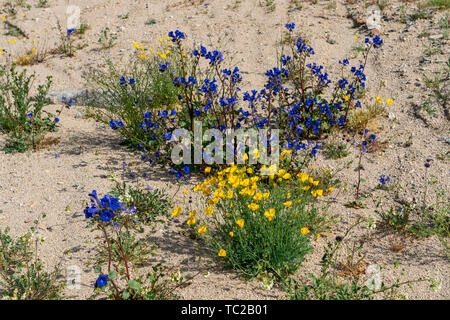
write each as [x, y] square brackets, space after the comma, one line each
[56, 180]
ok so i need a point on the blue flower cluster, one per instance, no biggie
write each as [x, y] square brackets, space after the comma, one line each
[177, 35]
[124, 81]
[115, 124]
[106, 208]
[384, 179]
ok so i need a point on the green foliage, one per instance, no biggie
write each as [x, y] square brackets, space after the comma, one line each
[329, 286]
[22, 116]
[441, 4]
[435, 219]
[107, 39]
[149, 203]
[22, 274]
[263, 228]
[336, 151]
[122, 250]
[128, 103]
[396, 218]
[42, 4]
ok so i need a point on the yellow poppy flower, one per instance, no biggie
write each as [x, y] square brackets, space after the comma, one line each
[304, 230]
[191, 221]
[207, 169]
[202, 229]
[176, 212]
[209, 210]
[240, 223]
[258, 196]
[287, 176]
[222, 253]
[269, 214]
[287, 204]
[231, 233]
[253, 206]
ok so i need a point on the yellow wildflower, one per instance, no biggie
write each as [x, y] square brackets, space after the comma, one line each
[304, 230]
[258, 196]
[269, 214]
[240, 223]
[253, 206]
[389, 101]
[207, 169]
[379, 99]
[287, 204]
[191, 221]
[176, 212]
[222, 253]
[209, 210]
[202, 229]
[231, 234]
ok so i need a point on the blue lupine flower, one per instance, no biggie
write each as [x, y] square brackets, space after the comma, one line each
[102, 280]
[106, 216]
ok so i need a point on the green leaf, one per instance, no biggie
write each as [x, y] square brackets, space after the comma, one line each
[98, 269]
[134, 284]
[112, 275]
[125, 295]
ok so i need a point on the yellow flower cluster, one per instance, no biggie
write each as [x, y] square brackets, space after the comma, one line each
[235, 181]
[379, 100]
[147, 53]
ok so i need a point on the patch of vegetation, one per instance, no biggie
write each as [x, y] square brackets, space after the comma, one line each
[329, 285]
[22, 116]
[22, 273]
[441, 4]
[107, 39]
[122, 251]
[336, 151]
[149, 203]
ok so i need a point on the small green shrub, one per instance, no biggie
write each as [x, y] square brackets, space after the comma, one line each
[22, 115]
[22, 274]
[329, 286]
[122, 251]
[107, 39]
[259, 224]
[118, 99]
[149, 203]
[336, 151]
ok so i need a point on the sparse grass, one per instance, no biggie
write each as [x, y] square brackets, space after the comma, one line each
[269, 5]
[419, 14]
[22, 273]
[81, 30]
[336, 151]
[149, 203]
[150, 21]
[444, 25]
[295, 4]
[441, 4]
[428, 107]
[42, 4]
[107, 39]
[439, 86]
[13, 30]
[365, 118]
